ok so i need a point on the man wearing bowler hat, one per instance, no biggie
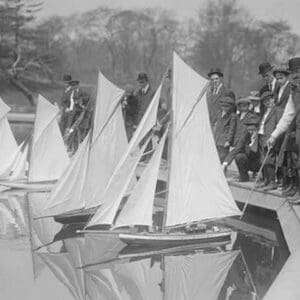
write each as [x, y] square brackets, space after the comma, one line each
[291, 112]
[215, 92]
[143, 95]
[266, 71]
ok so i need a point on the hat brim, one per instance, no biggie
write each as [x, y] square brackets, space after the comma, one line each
[266, 71]
[243, 102]
[218, 73]
[286, 72]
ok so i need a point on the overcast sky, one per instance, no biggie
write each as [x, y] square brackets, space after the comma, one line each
[262, 9]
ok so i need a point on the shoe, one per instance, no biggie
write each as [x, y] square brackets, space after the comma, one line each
[271, 186]
[261, 185]
[290, 193]
[294, 201]
[244, 178]
[287, 188]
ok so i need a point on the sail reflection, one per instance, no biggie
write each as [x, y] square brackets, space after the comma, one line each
[104, 268]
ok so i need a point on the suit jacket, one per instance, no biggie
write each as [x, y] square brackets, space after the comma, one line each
[266, 88]
[225, 128]
[282, 101]
[270, 124]
[213, 102]
[143, 100]
[242, 143]
[240, 126]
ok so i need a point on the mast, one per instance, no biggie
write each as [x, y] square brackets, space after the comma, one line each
[170, 139]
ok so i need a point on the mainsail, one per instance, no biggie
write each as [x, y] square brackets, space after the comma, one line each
[109, 141]
[198, 189]
[66, 194]
[47, 162]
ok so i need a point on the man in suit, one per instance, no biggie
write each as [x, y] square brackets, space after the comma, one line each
[244, 113]
[266, 71]
[225, 127]
[291, 112]
[270, 119]
[215, 92]
[143, 95]
[245, 152]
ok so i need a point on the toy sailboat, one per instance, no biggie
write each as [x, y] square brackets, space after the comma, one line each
[197, 190]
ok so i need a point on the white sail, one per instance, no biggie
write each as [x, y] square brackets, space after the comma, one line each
[115, 192]
[197, 276]
[20, 165]
[138, 209]
[9, 148]
[109, 141]
[7, 167]
[67, 192]
[49, 157]
[198, 189]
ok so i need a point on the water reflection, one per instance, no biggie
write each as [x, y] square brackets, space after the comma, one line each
[41, 259]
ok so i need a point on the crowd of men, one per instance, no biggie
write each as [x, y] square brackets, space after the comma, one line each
[261, 130]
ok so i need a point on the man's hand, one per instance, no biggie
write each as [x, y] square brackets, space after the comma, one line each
[225, 166]
[227, 145]
[271, 142]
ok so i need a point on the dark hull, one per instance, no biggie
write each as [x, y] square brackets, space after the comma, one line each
[82, 216]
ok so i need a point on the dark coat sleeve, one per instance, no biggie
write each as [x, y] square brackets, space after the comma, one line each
[240, 147]
[232, 128]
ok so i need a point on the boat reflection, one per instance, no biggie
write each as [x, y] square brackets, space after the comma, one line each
[58, 263]
[94, 267]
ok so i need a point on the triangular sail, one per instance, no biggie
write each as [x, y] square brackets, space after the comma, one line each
[19, 167]
[49, 156]
[9, 148]
[66, 194]
[198, 188]
[138, 209]
[11, 161]
[109, 141]
[197, 276]
[115, 192]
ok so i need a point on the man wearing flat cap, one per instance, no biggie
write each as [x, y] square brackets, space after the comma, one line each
[265, 69]
[244, 113]
[291, 112]
[245, 153]
[143, 95]
[215, 92]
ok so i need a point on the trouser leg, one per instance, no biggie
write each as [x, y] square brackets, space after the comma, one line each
[242, 162]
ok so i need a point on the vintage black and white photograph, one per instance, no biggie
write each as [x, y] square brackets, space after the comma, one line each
[150, 150]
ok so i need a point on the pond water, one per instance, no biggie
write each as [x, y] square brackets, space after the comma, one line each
[66, 266]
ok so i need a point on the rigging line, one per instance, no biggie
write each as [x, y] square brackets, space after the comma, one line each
[255, 182]
[203, 91]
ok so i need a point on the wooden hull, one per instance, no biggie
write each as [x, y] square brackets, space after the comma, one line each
[80, 216]
[29, 186]
[161, 240]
